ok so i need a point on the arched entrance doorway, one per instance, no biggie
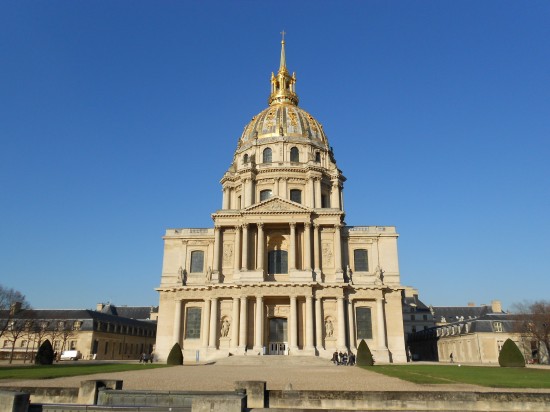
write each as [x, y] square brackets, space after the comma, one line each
[278, 336]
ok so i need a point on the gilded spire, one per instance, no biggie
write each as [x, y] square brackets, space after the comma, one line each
[283, 86]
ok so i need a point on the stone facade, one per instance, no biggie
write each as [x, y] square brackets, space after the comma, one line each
[281, 273]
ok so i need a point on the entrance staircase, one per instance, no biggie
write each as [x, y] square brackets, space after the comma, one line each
[272, 360]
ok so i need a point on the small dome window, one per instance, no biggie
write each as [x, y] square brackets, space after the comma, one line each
[318, 157]
[294, 155]
[264, 195]
[267, 155]
[245, 159]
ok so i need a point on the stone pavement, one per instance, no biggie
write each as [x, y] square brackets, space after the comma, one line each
[302, 373]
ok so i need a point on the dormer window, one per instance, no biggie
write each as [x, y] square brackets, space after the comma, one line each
[318, 157]
[245, 159]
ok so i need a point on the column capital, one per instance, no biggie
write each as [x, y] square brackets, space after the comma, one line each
[292, 225]
[307, 224]
[338, 226]
[217, 227]
[184, 242]
[316, 226]
[260, 224]
[244, 225]
[237, 227]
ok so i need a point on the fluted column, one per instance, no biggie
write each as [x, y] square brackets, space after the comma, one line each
[380, 323]
[317, 192]
[243, 323]
[244, 262]
[251, 193]
[338, 248]
[335, 195]
[213, 324]
[351, 321]
[237, 249]
[217, 246]
[244, 191]
[177, 322]
[309, 322]
[316, 250]
[318, 324]
[260, 257]
[293, 323]
[259, 323]
[341, 197]
[341, 325]
[205, 323]
[292, 251]
[307, 246]
[310, 196]
[235, 324]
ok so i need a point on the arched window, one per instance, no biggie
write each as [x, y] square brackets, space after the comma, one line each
[245, 159]
[318, 157]
[296, 195]
[277, 261]
[267, 155]
[361, 260]
[294, 155]
[264, 195]
[197, 261]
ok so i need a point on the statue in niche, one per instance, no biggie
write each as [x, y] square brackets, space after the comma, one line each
[209, 274]
[225, 328]
[379, 275]
[348, 271]
[329, 329]
[181, 276]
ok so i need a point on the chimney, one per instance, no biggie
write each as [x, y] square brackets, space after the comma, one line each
[496, 306]
[471, 304]
[100, 307]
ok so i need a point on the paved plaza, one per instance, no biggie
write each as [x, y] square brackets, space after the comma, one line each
[279, 372]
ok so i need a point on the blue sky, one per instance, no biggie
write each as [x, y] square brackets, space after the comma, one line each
[438, 113]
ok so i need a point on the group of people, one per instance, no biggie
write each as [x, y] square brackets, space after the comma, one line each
[146, 358]
[343, 358]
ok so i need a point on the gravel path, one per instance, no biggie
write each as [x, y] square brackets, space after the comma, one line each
[311, 375]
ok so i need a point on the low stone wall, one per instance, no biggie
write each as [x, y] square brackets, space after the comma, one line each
[417, 401]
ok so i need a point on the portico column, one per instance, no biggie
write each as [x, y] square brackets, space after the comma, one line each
[335, 195]
[341, 325]
[284, 193]
[259, 323]
[235, 324]
[292, 251]
[338, 248]
[351, 321]
[293, 323]
[225, 202]
[316, 250]
[244, 191]
[177, 322]
[318, 325]
[237, 248]
[309, 322]
[217, 245]
[213, 324]
[243, 331]
[251, 193]
[205, 323]
[380, 323]
[341, 197]
[307, 246]
[317, 192]
[244, 262]
[310, 196]
[260, 258]
[276, 186]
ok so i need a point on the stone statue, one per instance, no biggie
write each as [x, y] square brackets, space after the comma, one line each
[328, 328]
[209, 274]
[348, 271]
[225, 328]
[379, 273]
[181, 276]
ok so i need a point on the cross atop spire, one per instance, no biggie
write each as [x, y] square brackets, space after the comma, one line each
[282, 66]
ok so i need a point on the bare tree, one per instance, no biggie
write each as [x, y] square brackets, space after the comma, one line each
[11, 302]
[533, 321]
[18, 327]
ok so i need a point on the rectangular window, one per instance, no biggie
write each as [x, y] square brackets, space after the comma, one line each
[325, 201]
[497, 326]
[197, 261]
[296, 195]
[413, 317]
[361, 260]
[364, 323]
[193, 323]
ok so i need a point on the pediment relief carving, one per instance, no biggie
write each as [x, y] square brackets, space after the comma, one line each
[277, 205]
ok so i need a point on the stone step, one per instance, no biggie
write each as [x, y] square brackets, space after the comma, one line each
[273, 360]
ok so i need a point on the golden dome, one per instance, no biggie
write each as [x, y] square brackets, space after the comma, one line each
[283, 118]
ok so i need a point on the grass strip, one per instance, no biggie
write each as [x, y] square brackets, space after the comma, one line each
[60, 371]
[494, 377]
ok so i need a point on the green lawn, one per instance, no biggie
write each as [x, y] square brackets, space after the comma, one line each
[60, 370]
[495, 377]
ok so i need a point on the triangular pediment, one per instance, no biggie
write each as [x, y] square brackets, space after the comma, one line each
[277, 205]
